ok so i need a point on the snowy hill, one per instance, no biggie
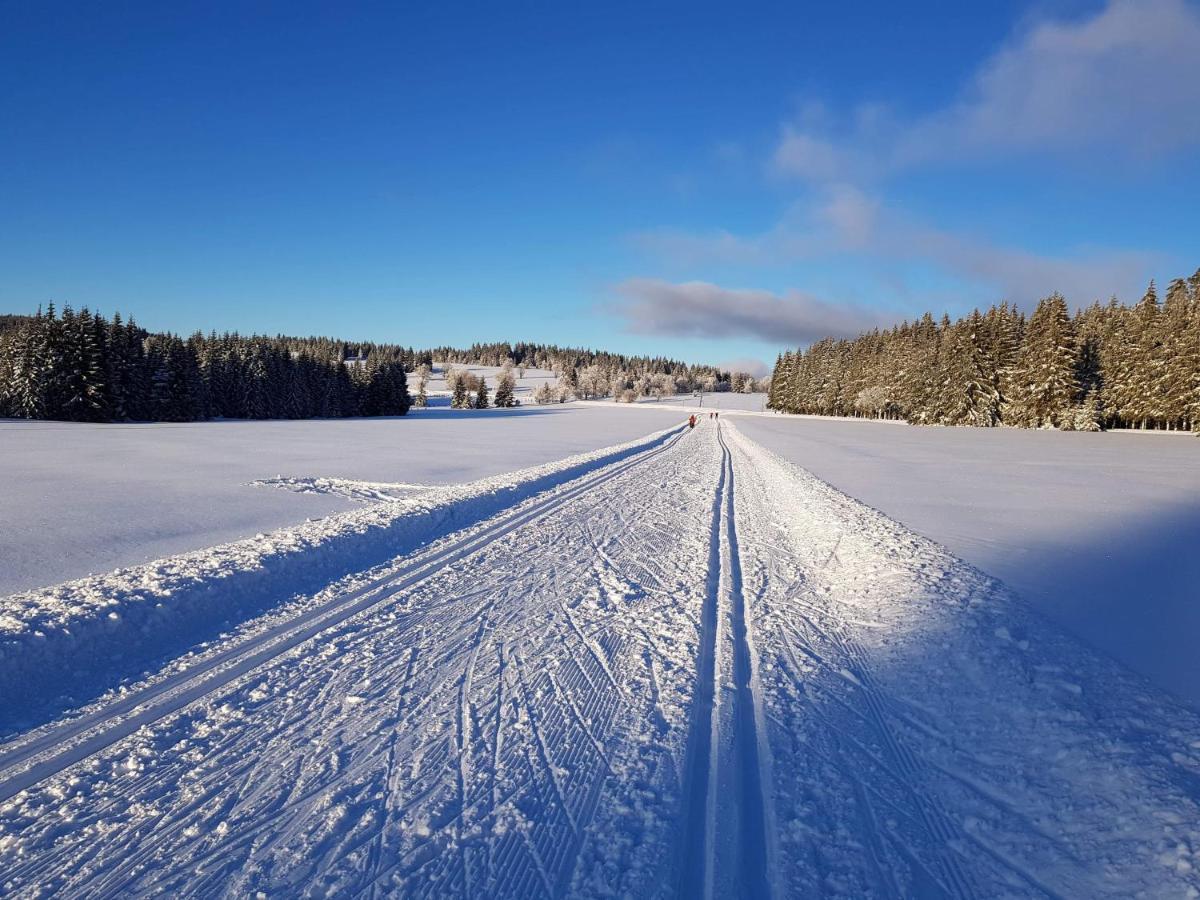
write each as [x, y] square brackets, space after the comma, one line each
[439, 391]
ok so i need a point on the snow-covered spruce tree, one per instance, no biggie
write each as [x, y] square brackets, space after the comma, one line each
[481, 395]
[459, 398]
[1173, 386]
[387, 386]
[544, 394]
[778, 376]
[7, 381]
[920, 371]
[1005, 328]
[1087, 416]
[1150, 360]
[1139, 339]
[25, 392]
[1044, 387]
[505, 387]
[85, 396]
[1190, 349]
[969, 393]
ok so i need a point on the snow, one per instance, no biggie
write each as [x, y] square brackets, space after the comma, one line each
[1097, 531]
[110, 625]
[697, 402]
[79, 499]
[694, 668]
[439, 392]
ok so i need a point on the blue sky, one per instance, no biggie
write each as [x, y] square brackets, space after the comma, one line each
[710, 182]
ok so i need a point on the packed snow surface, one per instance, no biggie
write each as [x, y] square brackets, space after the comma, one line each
[108, 626]
[78, 499]
[1099, 531]
[693, 669]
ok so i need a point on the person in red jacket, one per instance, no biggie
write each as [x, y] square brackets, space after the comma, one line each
[691, 421]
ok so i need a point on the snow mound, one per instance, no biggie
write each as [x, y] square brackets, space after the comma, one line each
[358, 491]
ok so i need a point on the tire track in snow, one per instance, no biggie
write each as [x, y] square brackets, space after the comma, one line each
[75, 740]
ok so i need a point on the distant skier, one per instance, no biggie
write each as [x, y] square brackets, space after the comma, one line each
[691, 421]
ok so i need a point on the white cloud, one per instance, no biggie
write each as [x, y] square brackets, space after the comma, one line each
[702, 309]
[808, 156]
[849, 214]
[1125, 81]
[754, 367]
[1121, 83]
[843, 216]
[846, 220]
[1017, 275]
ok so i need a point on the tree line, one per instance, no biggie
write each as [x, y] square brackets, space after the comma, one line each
[82, 367]
[573, 362]
[1105, 366]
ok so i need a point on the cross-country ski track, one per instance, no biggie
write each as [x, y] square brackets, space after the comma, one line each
[695, 671]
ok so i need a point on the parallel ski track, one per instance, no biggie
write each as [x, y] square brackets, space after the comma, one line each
[748, 762]
[74, 741]
[738, 761]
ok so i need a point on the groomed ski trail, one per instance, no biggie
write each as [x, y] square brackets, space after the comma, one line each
[698, 671]
[727, 831]
[54, 749]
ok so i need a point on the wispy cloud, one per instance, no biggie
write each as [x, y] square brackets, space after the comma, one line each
[846, 220]
[1121, 83]
[842, 216]
[1124, 81]
[1017, 275]
[702, 309]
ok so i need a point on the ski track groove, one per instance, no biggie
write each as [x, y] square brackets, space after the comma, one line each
[698, 816]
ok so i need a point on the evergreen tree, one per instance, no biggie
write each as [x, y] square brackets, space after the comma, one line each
[1173, 378]
[505, 384]
[971, 395]
[459, 399]
[481, 396]
[1045, 386]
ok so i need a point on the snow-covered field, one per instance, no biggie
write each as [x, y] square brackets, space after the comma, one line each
[696, 402]
[713, 401]
[1099, 531]
[439, 392]
[689, 669]
[80, 499]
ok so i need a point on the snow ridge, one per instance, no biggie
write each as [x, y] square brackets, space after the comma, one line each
[63, 639]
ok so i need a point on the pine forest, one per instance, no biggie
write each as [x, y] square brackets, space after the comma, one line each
[1105, 366]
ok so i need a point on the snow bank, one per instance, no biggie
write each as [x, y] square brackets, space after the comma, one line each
[61, 639]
